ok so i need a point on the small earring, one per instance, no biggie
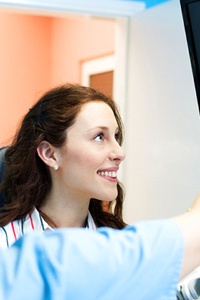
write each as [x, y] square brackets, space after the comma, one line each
[55, 168]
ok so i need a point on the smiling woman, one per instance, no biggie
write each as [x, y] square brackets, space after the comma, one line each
[62, 165]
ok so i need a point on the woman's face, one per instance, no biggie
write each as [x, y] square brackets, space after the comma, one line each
[90, 158]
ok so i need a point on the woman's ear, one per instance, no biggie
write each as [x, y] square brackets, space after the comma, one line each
[47, 153]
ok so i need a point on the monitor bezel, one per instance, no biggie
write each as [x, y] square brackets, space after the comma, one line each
[191, 45]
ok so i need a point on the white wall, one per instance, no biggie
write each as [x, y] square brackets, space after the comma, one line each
[162, 167]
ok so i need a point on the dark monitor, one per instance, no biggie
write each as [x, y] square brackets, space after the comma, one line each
[191, 18]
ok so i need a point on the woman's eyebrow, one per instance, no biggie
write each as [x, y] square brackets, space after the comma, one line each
[105, 128]
[99, 127]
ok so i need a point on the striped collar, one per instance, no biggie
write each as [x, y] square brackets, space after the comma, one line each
[90, 222]
[42, 224]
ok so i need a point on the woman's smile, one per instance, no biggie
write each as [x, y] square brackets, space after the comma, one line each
[109, 174]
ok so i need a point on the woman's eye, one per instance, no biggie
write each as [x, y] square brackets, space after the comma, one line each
[117, 137]
[99, 137]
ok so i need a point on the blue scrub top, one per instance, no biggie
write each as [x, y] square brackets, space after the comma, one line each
[140, 262]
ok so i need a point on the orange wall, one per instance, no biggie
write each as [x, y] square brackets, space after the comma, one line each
[78, 39]
[24, 65]
[37, 53]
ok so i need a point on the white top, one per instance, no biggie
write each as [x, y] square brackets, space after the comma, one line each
[33, 221]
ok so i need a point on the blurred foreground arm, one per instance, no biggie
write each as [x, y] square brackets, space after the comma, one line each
[189, 224]
[140, 262]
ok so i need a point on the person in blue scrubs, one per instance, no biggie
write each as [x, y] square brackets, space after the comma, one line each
[141, 262]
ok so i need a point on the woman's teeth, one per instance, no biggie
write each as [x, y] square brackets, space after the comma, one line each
[108, 174]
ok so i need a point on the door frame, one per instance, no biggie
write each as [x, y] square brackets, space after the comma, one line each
[96, 66]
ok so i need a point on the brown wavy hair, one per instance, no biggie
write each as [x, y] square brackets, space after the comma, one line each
[27, 179]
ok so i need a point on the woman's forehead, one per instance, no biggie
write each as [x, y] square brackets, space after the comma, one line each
[95, 114]
[95, 110]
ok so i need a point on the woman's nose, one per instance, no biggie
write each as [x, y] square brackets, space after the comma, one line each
[117, 153]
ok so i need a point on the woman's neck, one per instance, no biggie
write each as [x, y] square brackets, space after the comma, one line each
[64, 213]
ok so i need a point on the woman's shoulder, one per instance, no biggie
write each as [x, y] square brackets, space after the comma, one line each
[15, 229]
[9, 234]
